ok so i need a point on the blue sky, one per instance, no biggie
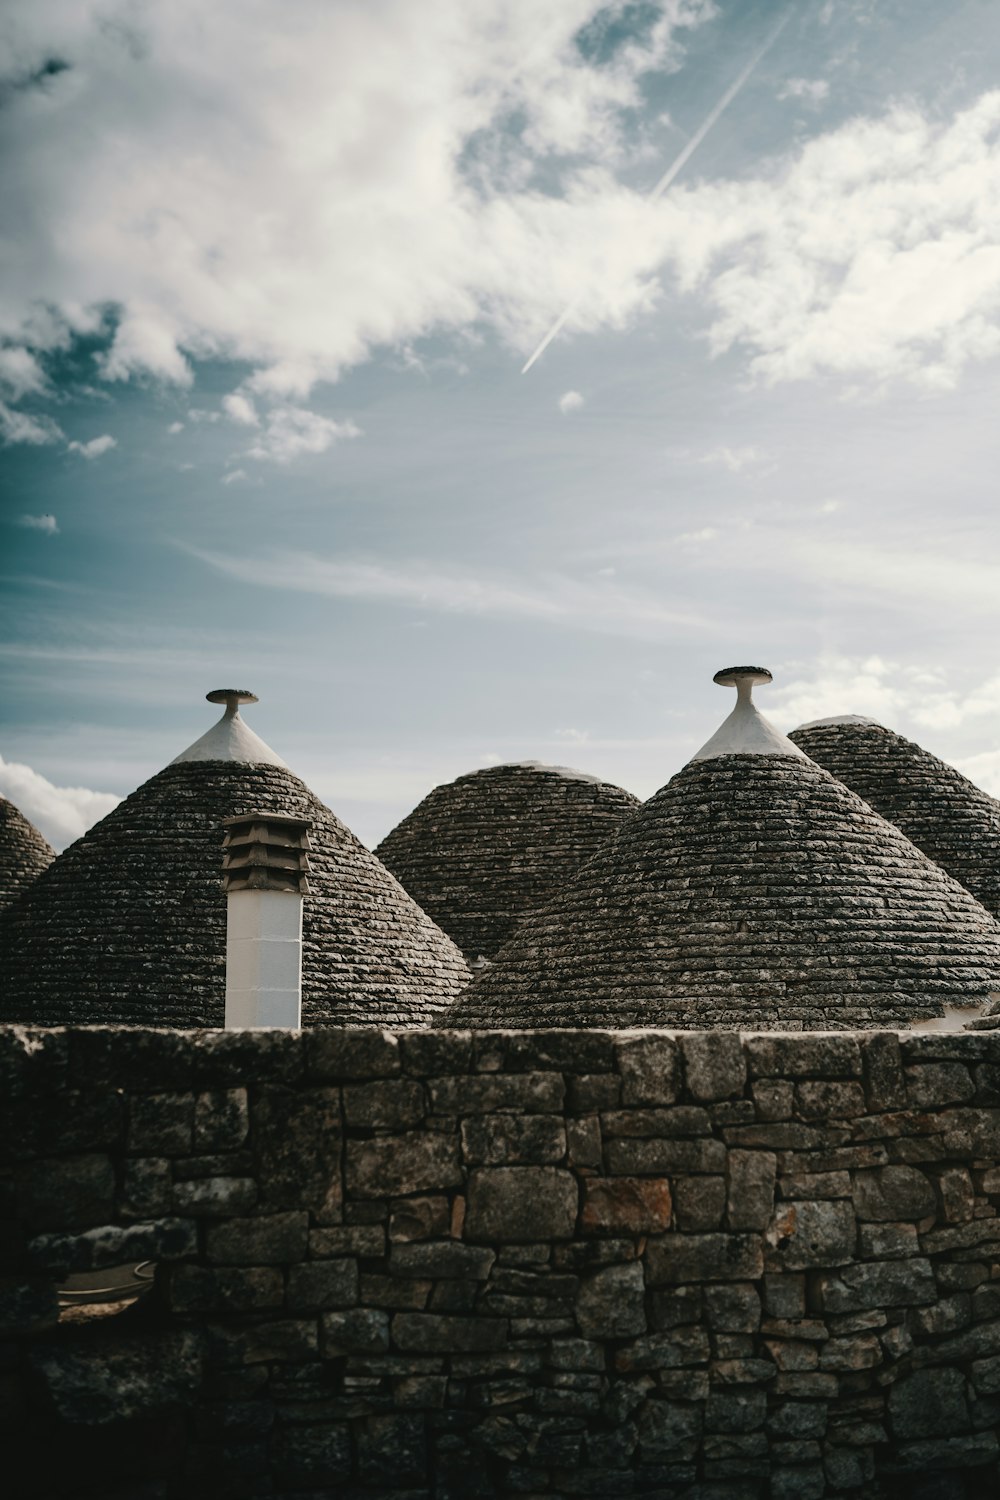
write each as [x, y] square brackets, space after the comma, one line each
[271, 273]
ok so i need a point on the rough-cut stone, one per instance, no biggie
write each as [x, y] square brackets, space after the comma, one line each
[929, 1403]
[521, 1204]
[699, 1202]
[501, 1139]
[429, 1333]
[125, 1377]
[442, 1258]
[891, 1283]
[396, 1104]
[704, 1257]
[419, 1219]
[714, 1064]
[750, 1189]
[892, 1193]
[611, 1304]
[626, 1205]
[215, 1197]
[394, 1164]
[70, 1192]
[358, 1330]
[531, 1093]
[221, 1120]
[322, 1284]
[733, 1309]
[803, 1234]
[252, 1242]
[219, 1289]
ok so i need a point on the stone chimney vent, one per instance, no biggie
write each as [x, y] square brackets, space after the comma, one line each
[264, 864]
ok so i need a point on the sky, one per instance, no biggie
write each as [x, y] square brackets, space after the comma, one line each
[270, 272]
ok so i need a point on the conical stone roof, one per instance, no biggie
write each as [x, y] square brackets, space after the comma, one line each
[481, 852]
[953, 821]
[24, 853]
[753, 891]
[128, 925]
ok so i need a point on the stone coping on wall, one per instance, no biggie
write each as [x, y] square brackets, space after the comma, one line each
[431, 1265]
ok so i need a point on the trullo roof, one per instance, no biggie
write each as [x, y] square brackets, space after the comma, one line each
[481, 852]
[755, 891]
[128, 925]
[24, 853]
[953, 821]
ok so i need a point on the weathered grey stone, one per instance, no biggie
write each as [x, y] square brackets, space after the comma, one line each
[803, 1234]
[528, 1093]
[733, 1309]
[396, 1104]
[882, 1065]
[115, 1245]
[665, 1426]
[736, 1411]
[395, 1164]
[679, 1119]
[225, 1288]
[650, 1069]
[822, 1099]
[804, 1057]
[892, 1193]
[215, 1197]
[521, 1204]
[773, 1098]
[928, 1403]
[594, 1091]
[699, 1202]
[501, 1139]
[312, 1454]
[815, 1185]
[357, 1330]
[221, 1120]
[583, 1142]
[930, 1085]
[986, 1375]
[336, 1053]
[703, 1257]
[430, 1333]
[122, 1378]
[442, 1258]
[750, 1189]
[714, 1064]
[784, 1295]
[887, 1241]
[253, 1242]
[147, 1187]
[66, 1192]
[957, 1194]
[161, 1124]
[296, 1148]
[626, 1157]
[420, 1219]
[890, 1283]
[682, 1346]
[346, 1239]
[611, 1304]
[322, 1284]
[625, 1205]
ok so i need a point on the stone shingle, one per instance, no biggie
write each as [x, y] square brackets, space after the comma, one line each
[24, 853]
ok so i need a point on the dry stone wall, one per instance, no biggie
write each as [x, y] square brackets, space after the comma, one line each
[452, 1264]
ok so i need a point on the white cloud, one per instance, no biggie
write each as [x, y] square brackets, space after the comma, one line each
[61, 813]
[810, 90]
[294, 431]
[735, 459]
[20, 373]
[234, 476]
[706, 534]
[553, 598]
[889, 691]
[46, 523]
[95, 448]
[199, 414]
[570, 401]
[240, 408]
[20, 427]
[175, 428]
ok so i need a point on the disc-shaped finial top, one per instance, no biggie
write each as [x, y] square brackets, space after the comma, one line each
[232, 697]
[731, 676]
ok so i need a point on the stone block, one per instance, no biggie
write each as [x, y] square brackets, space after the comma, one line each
[221, 1120]
[805, 1234]
[296, 1148]
[442, 1258]
[218, 1289]
[430, 1333]
[393, 1292]
[611, 1304]
[391, 1165]
[880, 1284]
[115, 1245]
[679, 1348]
[427, 1053]
[65, 1192]
[887, 1241]
[121, 1378]
[557, 1049]
[583, 1142]
[666, 1426]
[797, 1419]
[625, 1205]
[986, 1375]
[934, 1084]
[736, 1411]
[392, 1450]
[699, 1202]
[215, 1197]
[714, 1064]
[821, 1099]
[750, 1179]
[650, 1069]
[703, 1257]
[280, 1341]
[322, 1284]
[679, 1120]
[335, 1053]
[347, 1239]
[594, 1091]
[773, 1098]
[160, 1124]
[894, 1192]
[502, 1139]
[521, 1204]
[804, 1055]
[527, 1093]
[147, 1187]
[649, 1156]
[357, 1330]
[957, 1194]
[733, 1309]
[815, 1185]
[268, 1240]
[419, 1219]
[394, 1104]
[929, 1403]
[784, 1295]
[882, 1069]
[312, 1454]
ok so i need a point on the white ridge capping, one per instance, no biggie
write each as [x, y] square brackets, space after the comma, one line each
[839, 719]
[231, 738]
[746, 732]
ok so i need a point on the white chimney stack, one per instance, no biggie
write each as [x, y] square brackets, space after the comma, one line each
[264, 865]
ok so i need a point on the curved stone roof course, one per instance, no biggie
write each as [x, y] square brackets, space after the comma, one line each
[128, 925]
[953, 821]
[24, 853]
[479, 852]
[754, 891]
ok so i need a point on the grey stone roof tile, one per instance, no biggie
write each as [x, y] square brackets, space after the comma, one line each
[24, 853]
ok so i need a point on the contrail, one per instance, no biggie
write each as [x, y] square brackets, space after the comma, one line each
[680, 161]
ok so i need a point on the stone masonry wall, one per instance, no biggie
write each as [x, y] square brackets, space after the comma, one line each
[451, 1265]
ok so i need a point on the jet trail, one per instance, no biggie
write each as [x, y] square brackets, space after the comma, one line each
[680, 161]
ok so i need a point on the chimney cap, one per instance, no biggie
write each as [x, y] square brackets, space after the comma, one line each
[730, 676]
[231, 695]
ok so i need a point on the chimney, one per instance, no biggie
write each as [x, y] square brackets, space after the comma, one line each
[264, 876]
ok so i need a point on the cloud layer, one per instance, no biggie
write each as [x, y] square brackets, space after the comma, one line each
[61, 813]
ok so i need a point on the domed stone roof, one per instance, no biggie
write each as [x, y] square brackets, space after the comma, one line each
[755, 891]
[953, 821]
[128, 925]
[480, 852]
[24, 853]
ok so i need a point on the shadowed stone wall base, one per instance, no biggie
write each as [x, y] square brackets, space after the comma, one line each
[451, 1265]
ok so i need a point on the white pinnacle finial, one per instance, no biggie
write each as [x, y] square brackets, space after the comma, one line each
[746, 732]
[231, 738]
